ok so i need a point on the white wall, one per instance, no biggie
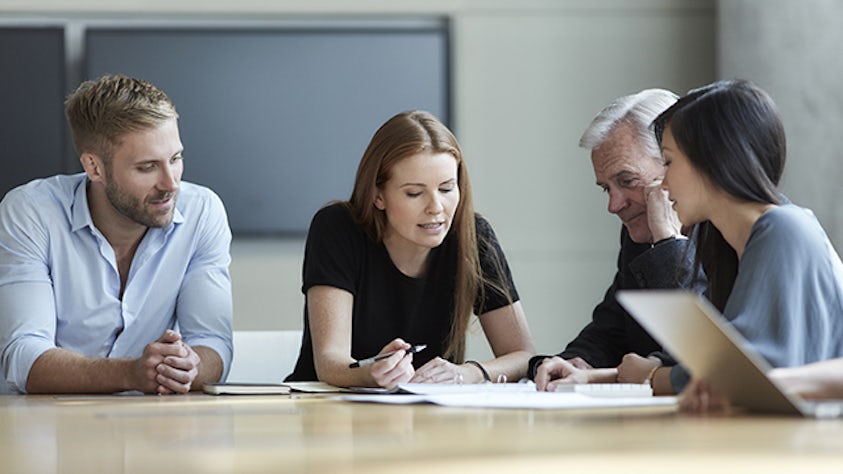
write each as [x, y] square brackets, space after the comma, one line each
[527, 84]
[528, 77]
[794, 50]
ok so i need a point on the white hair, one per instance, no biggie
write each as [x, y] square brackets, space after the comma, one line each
[638, 110]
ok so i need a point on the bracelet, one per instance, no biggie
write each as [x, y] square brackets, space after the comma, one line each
[486, 376]
[652, 374]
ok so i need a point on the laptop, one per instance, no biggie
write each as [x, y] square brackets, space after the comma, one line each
[694, 332]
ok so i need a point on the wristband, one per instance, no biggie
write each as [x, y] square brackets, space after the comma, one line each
[486, 376]
[651, 375]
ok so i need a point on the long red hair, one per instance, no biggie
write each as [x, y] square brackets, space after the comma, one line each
[404, 135]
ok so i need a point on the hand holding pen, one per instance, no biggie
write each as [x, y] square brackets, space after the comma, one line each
[372, 360]
[393, 366]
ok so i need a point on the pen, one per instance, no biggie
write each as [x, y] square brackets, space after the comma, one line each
[372, 360]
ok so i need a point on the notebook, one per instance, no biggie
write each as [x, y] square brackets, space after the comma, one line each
[693, 331]
[233, 388]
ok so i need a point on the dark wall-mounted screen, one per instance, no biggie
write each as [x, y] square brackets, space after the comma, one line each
[276, 120]
[32, 90]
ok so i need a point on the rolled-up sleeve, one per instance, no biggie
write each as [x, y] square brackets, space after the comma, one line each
[27, 304]
[204, 308]
[27, 329]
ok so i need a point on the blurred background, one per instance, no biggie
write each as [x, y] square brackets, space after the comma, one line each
[517, 81]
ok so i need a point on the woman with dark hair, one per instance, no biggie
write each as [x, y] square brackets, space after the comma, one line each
[771, 269]
[407, 260]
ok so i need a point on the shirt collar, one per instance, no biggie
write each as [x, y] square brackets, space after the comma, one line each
[81, 213]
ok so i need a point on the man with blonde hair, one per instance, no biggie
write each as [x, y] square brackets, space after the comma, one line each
[115, 279]
[628, 166]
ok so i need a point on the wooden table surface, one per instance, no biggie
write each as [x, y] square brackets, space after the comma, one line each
[200, 433]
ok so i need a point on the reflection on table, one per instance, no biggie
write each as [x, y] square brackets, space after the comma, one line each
[200, 433]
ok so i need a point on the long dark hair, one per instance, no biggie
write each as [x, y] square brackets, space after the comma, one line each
[732, 134]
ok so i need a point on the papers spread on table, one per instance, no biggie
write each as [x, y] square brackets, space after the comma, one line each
[534, 400]
[482, 395]
[445, 388]
[512, 395]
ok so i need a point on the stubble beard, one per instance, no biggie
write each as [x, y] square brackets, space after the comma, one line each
[132, 207]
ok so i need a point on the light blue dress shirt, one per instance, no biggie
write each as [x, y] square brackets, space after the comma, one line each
[60, 287]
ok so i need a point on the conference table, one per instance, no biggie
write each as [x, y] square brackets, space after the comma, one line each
[323, 434]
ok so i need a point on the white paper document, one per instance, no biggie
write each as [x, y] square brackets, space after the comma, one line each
[440, 388]
[519, 395]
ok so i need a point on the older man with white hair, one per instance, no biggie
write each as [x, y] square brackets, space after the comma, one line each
[654, 253]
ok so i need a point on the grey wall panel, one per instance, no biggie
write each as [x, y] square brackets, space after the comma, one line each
[275, 121]
[32, 89]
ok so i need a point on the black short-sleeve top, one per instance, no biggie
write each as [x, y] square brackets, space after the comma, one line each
[387, 303]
